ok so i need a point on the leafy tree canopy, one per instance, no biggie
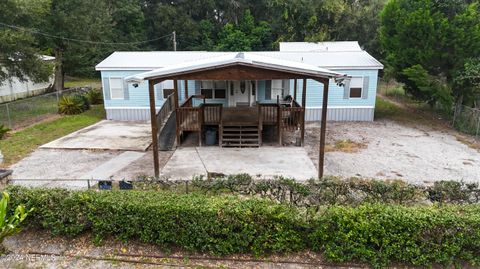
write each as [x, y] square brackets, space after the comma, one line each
[429, 41]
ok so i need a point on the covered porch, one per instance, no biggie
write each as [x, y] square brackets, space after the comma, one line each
[241, 124]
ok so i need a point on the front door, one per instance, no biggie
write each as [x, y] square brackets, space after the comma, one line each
[240, 93]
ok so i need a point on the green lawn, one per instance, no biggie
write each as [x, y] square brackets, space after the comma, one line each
[19, 144]
[24, 112]
[83, 82]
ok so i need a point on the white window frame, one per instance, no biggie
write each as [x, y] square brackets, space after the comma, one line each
[213, 89]
[283, 89]
[110, 88]
[350, 88]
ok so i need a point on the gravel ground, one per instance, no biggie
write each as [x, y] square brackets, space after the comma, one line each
[394, 151]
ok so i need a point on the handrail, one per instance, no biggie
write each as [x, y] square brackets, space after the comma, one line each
[165, 111]
[189, 101]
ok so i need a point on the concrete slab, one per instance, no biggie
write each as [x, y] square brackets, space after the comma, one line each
[185, 163]
[265, 161]
[63, 168]
[107, 135]
[110, 167]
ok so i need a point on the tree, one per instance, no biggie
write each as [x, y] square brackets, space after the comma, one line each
[19, 53]
[467, 81]
[431, 37]
[246, 36]
[79, 23]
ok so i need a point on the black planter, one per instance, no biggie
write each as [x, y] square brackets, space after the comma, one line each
[105, 185]
[5, 173]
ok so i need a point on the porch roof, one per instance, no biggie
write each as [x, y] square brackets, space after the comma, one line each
[238, 65]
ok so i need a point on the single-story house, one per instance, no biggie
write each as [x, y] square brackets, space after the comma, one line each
[353, 102]
[242, 94]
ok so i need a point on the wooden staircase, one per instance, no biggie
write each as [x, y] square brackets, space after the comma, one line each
[240, 136]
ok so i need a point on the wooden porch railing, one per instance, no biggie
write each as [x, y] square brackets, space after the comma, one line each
[268, 113]
[292, 118]
[164, 112]
[212, 114]
[192, 118]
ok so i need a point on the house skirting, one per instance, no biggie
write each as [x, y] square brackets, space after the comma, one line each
[128, 114]
[341, 113]
[311, 114]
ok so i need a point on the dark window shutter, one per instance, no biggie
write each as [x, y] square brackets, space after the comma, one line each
[268, 90]
[106, 88]
[126, 93]
[366, 85]
[346, 89]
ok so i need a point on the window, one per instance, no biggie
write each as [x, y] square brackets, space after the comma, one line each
[167, 88]
[213, 90]
[277, 89]
[220, 93]
[254, 89]
[167, 92]
[116, 88]
[356, 85]
[220, 89]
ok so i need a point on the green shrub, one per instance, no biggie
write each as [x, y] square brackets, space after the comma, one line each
[326, 191]
[95, 96]
[3, 131]
[83, 99]
[9, 224]
[380, 234]
[219, 225]
[69, 105]
[377, 234]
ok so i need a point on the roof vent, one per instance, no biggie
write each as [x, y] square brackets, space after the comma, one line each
[240, 55]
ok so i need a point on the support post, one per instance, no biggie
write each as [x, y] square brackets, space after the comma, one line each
[279, 121]
[295, 89]
[153, 122]
[323, 129]
[186, 89]
[175, 108]
[304, 98]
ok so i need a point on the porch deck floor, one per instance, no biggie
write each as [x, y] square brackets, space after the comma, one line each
[265, 161]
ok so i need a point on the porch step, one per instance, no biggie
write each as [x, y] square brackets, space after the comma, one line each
[240, 136]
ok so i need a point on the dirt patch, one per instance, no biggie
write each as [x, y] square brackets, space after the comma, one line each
[390, 150]
[346, 145]
[26, 250]
[34, 121]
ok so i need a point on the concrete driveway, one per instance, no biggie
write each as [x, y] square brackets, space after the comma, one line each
[107, 135]
[265, 161]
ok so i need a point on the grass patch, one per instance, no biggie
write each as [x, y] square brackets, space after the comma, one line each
[27, 111]
[21, 143]
[387, 109]
[347, 146]
[83, 82]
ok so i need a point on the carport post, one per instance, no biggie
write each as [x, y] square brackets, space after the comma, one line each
[153, 122]
[304, 101]
[295, 89]
[323, 128]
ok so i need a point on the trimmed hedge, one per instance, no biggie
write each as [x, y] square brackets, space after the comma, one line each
[326, 191]
[377, 234]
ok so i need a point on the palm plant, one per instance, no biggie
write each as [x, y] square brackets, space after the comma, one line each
[10, 225]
